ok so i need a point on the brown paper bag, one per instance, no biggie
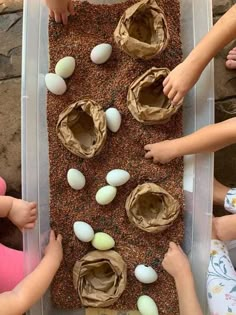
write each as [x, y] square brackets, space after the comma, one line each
[82, 129]
[142, 30]
[100, 278]
[151, 208]
[146, 100]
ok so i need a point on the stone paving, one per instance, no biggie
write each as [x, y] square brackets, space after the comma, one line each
[10, 83]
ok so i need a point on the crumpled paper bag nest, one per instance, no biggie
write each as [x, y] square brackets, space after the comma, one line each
[146, 100]
[142, 30]
[82, 129]
[151, 208]
[100, 278]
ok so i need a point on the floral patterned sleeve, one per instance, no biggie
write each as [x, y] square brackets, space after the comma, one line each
[221, 281]
[230, 200]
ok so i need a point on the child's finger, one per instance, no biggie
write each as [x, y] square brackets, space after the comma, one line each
[59, 238]
[57, 18]
[167, 89]
[166, 81]
[172, 245]
[180, 248]
[52, 236]
[147, 147]
[64, 18]
[32, 219]
[176, 99]
[172, 94]
[51, 13]
[71, 8]
[33, 212]
[29, 225]
[33, 204]
[148, 155]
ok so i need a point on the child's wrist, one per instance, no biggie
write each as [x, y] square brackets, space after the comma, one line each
[184, 279]
[11, 200]
[52, 263]
[176, 148]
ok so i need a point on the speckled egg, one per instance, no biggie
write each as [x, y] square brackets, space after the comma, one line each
[83, 231]
[101, 53]
[117, 177]
[145, 274]
[65, 67]
[105, 195]
[75, 179]
[55, 84]
[103, 241]
[113, 118]
[147, 306]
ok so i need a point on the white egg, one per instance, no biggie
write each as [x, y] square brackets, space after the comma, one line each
[105, 195]
[103, 241]
[147, 306]
[83, 231]
[113, 118]
[55, 84]
[145, 274]
[101, 53]
[75, 179]
[117, 177]
[65, 67]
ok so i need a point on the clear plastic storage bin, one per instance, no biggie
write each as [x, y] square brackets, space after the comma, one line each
[196, 19]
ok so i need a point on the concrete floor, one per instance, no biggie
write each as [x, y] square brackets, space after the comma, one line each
[10, 81]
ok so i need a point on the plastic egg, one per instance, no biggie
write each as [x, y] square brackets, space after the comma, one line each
[117, 177]
[145, 274]
[103, 241]
[65, 67]
[101, 53]
[75, 179]
[55, 84]
[147, 306]
[105, 195]
[113, 118]
[83, 231]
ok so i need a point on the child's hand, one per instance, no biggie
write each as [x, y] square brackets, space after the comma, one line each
[224, 227]
[54, 248]
[23, 213]
[162, 152]
[176, 262]
[180, 80]
[59, 10]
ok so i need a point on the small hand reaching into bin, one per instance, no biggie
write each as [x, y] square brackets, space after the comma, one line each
[60, 9]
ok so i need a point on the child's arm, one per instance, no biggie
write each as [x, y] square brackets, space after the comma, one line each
[208, 139]
[59, 10]
[177, 265]
[22, 213]
[29, 290]
[185, 75]
[224, 227]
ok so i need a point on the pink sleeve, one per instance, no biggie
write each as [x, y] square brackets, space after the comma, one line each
[11, 268]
